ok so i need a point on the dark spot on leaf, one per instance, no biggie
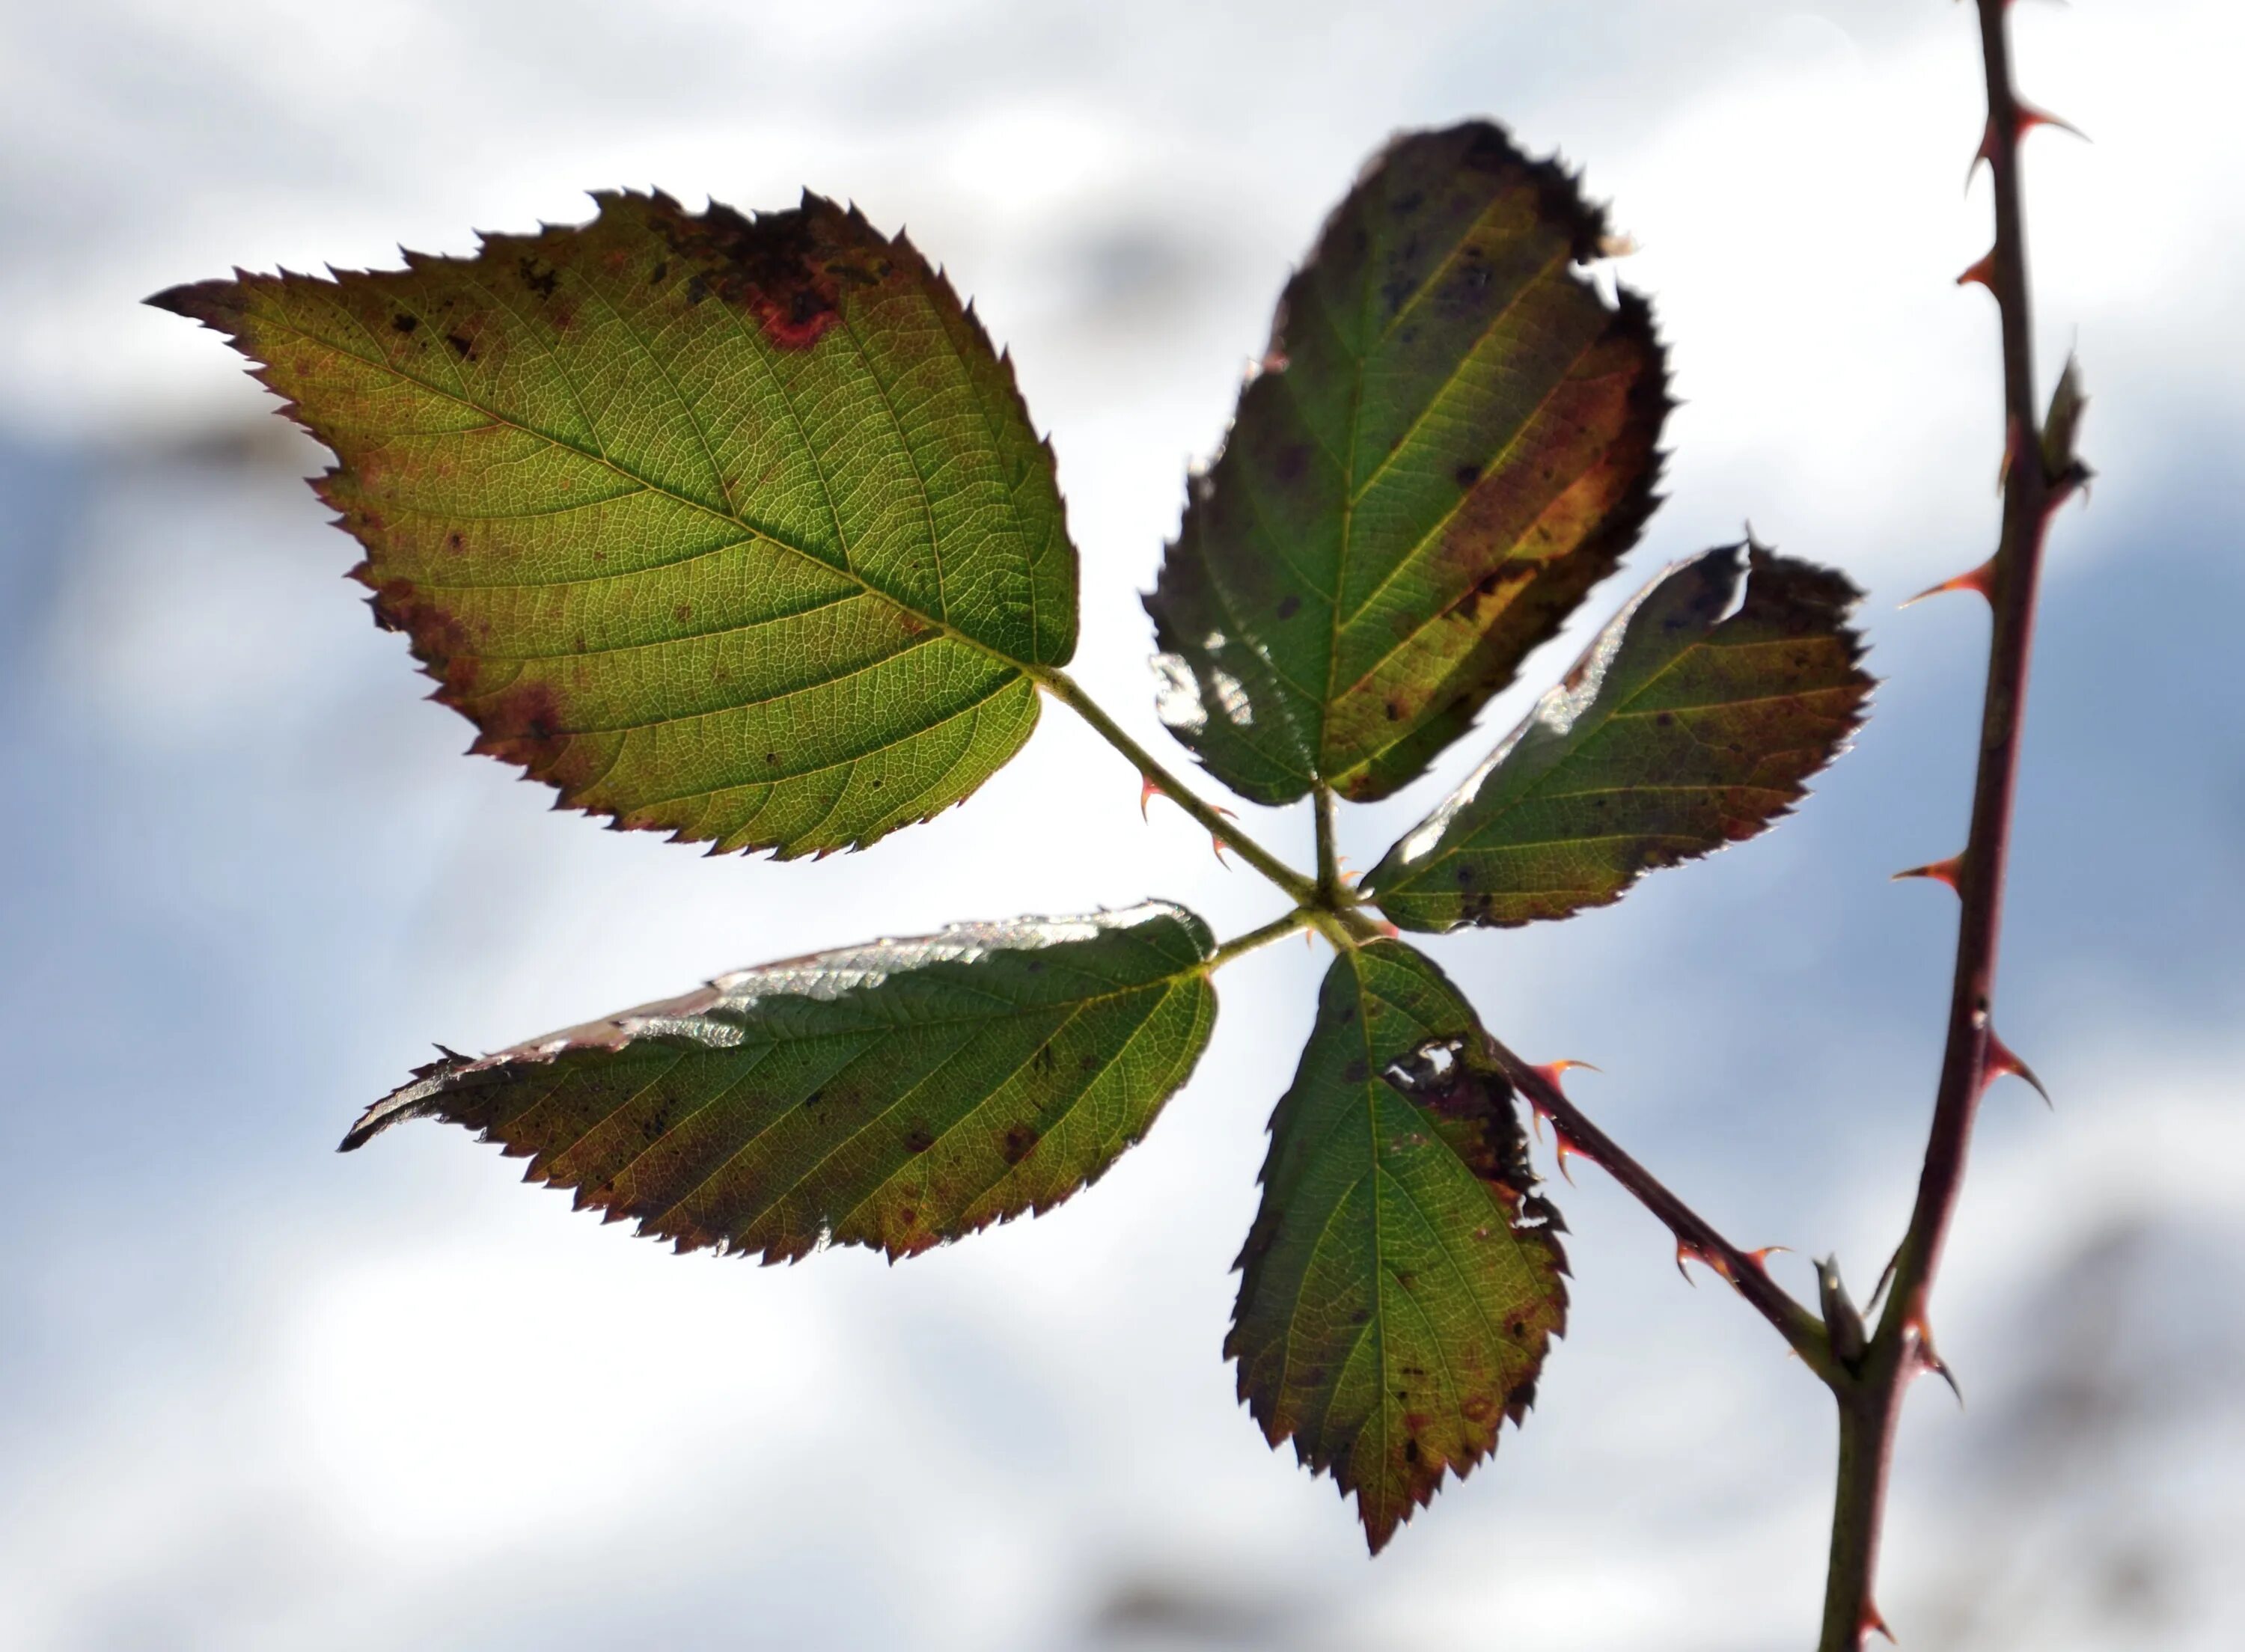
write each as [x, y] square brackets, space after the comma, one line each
[540, 282]
[786, 269]
[1020, 1143]
[403, 322]
[454, 542]
[661, 269]
[1289, 605]
[1466, 475]
[1357, 1071]
[462, 346]
[918, 1142]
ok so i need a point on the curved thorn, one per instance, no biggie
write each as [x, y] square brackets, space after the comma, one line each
[2003, 1059]
[1220, 845]
[1687, 1251]
[1921, 1333]
[1941, 871]
[2031, 116]
[1147, 792]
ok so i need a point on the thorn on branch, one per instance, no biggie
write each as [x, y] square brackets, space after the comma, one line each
[1981, 580]
[1874, 1624]
[1941, 871]
[1147, 792]
[1921, 1334]
[2003, 1059]
[1982, 271]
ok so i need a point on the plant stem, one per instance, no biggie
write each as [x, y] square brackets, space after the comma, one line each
[1695, 1235]
[1900, 1347]
[1329, 889]
[1064, 688]
[1277, 929]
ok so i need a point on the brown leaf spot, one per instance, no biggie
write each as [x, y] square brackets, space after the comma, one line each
[919, 1141]
[1020, 1141]
[523, 725]
[786, 269]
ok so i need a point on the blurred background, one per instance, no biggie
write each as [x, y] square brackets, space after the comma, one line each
[256, 1396]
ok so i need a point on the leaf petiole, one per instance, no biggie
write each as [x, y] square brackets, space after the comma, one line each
[1064, 688]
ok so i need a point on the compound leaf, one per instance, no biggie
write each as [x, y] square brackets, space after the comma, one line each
[894, 1095]
[730, 527]
[1401, 1282]
[1691, 723]
[1451, 441]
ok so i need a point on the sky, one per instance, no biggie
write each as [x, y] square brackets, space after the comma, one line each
[256, 1395]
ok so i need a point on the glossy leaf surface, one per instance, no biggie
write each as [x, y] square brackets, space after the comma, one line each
[1402, 1281]
[1452, 440]
[1691, 723]
[732, 528]
[892, 1095]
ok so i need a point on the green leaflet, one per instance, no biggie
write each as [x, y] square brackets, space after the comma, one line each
[1401, 1282]
[733, 528]
[892, 1095]
[1451, 441]
[1680, 730]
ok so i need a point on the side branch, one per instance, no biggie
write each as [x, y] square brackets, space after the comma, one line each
[1694, 1235]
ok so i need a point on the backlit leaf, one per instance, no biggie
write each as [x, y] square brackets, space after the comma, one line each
[1452, 440]
[892, 1095]
[1402, 1281]
[732, 528]
[1691, 723]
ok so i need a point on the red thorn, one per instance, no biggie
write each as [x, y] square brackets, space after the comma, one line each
[1687, 1251]
[1220, 845]
[2031, 116]
[1981, 579]
[1552, 1073]
[2002, 1060]
[1941, 871]
[1914, 1325]
[1761, 1258]
[1536, 1117]
[1565, 1144]
[1147, 792]
[1874, 1624]
[1984, 272]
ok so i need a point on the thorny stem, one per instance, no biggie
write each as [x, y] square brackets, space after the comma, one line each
[1870, 1402]
[1695, 1235]
[1353, 925]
